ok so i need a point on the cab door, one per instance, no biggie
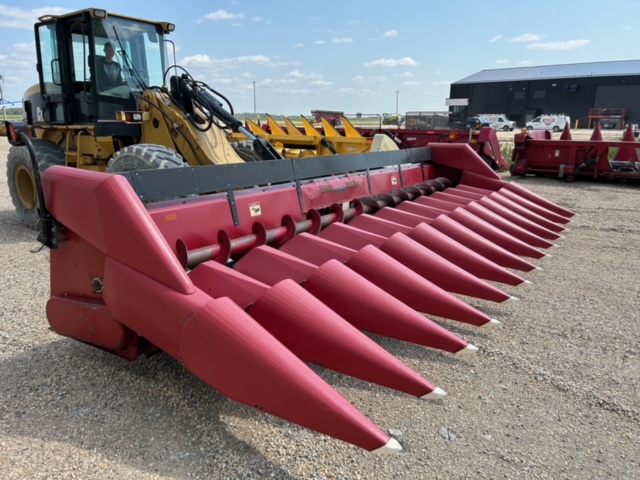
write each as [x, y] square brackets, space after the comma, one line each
[63, 49]
[50, 71]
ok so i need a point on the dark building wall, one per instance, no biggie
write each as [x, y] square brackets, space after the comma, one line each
[523, 100]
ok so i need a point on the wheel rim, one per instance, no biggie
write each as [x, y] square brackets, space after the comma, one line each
[25, 187]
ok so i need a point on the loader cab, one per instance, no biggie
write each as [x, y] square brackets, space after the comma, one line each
[71, 59]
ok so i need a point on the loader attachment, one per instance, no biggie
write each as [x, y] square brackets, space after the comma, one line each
[349, 138]
[246, 273]
[293, 143]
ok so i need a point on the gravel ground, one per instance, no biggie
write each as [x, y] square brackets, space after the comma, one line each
[553, 392]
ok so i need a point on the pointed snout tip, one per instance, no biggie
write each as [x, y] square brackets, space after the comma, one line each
[437, 394]
[492, 323]
[468, 350]
[391, 447]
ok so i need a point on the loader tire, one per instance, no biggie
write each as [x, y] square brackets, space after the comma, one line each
[144, 157]
[245, 153]
[22, 183]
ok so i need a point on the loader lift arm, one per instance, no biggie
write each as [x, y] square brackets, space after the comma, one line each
[194, 97]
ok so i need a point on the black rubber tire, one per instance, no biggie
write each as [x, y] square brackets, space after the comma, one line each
[556, 129]
[246, 153]
[144, 157]
[22, 186]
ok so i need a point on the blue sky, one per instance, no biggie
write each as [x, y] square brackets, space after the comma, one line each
[354, 56]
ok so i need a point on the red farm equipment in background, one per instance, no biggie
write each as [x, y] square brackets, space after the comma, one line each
[537, 154]
[608, 117]
[484, 141]
[333, 117]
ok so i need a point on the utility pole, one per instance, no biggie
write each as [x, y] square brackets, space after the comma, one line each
[254, 100]
[2, 105]
[397, 92]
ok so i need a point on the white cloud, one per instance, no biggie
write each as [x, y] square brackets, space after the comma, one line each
[527, 37]
[406, 75]
[524, 63]
[496, 38]
[321, 83]
[256, 19]
[390, 33]
[13, 17]
[319, 42]
[246, 59]
[343, 40]
[442, 82]
[289, 92]
[203, 60]
[298, 45]
[24, 48]
[568, 45]
[281, 81]
[411, 82]
[392, 62]
[362, 79]
[303, 75]
[357, 92]
[502, 61]
[198, 59]
[221, 15]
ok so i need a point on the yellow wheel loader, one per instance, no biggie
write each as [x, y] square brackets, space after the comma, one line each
[81, 117]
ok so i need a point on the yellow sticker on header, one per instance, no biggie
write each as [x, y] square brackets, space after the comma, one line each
[171, 217]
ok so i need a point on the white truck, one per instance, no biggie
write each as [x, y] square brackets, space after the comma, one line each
[551, 121]
[499, 121]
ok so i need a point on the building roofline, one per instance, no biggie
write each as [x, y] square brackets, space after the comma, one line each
[495, 72]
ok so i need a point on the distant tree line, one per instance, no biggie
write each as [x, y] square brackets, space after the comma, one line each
[15, 111]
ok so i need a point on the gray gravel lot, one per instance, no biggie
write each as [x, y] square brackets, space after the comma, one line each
[553, 393]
